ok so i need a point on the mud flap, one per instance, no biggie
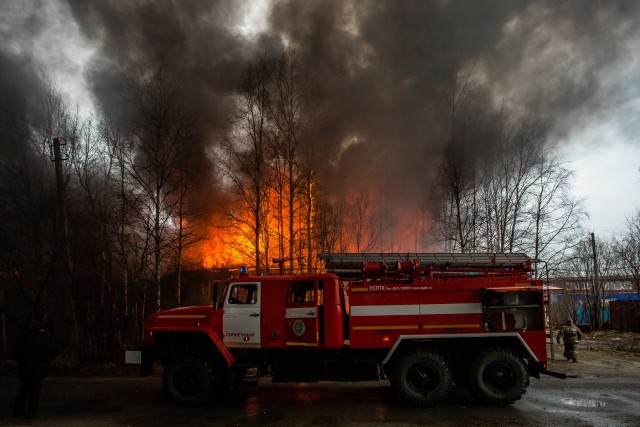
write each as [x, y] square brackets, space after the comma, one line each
[146, 363]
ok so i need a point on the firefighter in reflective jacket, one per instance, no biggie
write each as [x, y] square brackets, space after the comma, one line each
[570, 334]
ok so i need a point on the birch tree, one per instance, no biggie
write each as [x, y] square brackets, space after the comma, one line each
[245, 151]
[163, 127]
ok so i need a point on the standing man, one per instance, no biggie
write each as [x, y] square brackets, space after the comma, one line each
[33, 352]
[570, 334]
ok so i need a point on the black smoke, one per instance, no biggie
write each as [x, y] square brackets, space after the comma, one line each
[381, 69]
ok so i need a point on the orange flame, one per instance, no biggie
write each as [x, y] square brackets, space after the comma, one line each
[230, 245]
[220, 248]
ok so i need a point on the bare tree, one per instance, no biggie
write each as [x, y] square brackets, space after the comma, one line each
[330, 226]
[277, 202]
[516, 198]
[290, 91]
[555, 216]
[459, 217]
[591, 260]
[122, 227]
[244, 159]
[186, 220]
[627, 250]
[38, 242]
[308, 201]
[361, 210]
[163, 126]
[367, 223]
[92, 212]
[51, 118]
[29, 253]
[508, 182]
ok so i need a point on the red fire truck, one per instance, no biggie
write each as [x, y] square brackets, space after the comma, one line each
[423, 321]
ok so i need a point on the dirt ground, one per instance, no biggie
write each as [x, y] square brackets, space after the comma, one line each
[602, 354]
[607, 373]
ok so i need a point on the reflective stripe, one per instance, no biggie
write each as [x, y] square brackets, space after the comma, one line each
[383, 328]
[467, 308]
[385, 310]
[415, 309]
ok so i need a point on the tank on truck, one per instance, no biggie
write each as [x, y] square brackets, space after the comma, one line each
[394, 274]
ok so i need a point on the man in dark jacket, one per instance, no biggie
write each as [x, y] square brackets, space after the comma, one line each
[33, 352]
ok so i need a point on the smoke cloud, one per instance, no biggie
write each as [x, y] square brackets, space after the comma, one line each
[382, 68]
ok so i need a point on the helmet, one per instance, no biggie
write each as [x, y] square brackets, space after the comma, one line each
[569, 321]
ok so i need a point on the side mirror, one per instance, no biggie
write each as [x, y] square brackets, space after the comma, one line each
[214, 294]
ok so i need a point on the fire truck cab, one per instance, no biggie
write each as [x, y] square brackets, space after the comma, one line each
[422, 321]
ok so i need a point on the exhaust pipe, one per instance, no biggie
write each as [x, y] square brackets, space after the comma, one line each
[560, 375]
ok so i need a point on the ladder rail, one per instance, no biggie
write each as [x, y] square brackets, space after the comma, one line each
[425, 260]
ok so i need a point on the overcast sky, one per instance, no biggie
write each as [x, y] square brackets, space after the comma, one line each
[575, 64]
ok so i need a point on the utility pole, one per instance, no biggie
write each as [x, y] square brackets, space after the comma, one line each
[61, 203]
[63, 236]
[596, 280]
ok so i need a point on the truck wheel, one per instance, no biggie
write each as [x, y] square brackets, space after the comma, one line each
[422, 378]
[497, 377]
[189, 381]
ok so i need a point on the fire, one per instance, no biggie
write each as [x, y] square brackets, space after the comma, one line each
[221, 248]
[230, 243]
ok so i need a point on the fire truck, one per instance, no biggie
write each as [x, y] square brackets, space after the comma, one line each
[422, 321]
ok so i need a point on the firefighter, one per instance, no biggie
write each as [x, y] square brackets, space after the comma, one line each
[33, 352]
[570, 334]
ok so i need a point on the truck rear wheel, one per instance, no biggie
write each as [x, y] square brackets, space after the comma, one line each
[422, 378]
[497, 377]
[189, 380]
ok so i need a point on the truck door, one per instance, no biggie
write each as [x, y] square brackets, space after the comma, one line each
[302, 314]
[241, 325]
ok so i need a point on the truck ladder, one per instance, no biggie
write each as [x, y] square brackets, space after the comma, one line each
[415, 263]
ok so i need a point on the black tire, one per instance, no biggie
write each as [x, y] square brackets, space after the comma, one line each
[191, 380]
[497, 377]
[422, 378]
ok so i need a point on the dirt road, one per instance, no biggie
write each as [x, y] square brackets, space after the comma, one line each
[603, 390]
[602, 354]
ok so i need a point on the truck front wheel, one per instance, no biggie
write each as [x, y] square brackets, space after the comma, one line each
[189, 380]
[422, 378]
[497, 377]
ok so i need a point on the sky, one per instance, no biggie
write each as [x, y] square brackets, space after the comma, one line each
[606, 176]
[381, 68]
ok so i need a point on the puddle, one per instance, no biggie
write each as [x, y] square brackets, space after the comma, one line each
[584, 403]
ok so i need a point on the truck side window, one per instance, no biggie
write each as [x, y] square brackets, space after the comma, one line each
[302, 292]
[243, 294]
